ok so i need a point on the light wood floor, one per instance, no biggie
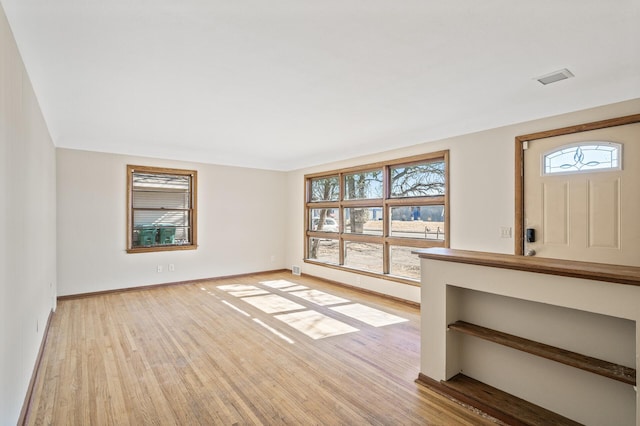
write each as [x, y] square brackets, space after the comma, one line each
[181, 355]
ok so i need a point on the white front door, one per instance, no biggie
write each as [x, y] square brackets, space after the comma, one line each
[580, 206]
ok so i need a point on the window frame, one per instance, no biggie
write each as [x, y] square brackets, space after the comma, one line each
[192, 211]
[386, 203]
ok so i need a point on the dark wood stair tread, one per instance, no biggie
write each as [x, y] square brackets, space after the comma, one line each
[574, 359]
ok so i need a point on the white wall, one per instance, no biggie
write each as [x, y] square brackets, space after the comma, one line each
[28, 221]
[241, 222]
[481, 175]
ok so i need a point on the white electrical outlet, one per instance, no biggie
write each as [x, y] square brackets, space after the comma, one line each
[159, 268]
[172, 267]
[505, 232]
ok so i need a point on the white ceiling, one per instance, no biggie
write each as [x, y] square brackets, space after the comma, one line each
[285, 84]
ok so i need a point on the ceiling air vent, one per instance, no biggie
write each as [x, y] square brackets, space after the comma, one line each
[555, 76]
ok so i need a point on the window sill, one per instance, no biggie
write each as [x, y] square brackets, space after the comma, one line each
[395, 278]
[151, 249]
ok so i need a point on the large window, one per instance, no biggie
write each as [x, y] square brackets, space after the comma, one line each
[370, 218]
[161, 207]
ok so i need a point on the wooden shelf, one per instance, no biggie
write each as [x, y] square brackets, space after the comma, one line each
[603, 368]
[618, 274]
[501, 405]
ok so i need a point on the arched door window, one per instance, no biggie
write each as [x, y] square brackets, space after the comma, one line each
[583, 157]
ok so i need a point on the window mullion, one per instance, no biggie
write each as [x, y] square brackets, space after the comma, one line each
[341, 255]
[371, 202]
[386, 215]
[409, 201]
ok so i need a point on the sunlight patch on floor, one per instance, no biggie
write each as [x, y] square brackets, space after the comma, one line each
[312, 323]
[236, 308]
[245, 293]
[295, 288]
[238, 287]
[242, 290]
[279, 284]
[319, 297]
[315, 324]
[284, 285]
[368, 315]
[274, 331]
[272, 303]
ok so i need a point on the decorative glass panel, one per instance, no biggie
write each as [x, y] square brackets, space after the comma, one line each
[363, 185]
[325, 189]
[418, 180]
[403, 263]
[424, 222]
[364, 256]
[363, 220]
[585, 157]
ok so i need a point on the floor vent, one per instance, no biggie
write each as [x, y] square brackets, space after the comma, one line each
[295, 270]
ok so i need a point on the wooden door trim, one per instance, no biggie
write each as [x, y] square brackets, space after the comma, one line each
[519, 164]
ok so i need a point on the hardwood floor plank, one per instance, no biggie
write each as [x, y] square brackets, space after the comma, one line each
[182, 355]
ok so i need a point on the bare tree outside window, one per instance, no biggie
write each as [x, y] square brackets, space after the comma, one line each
[364, 185]
[361, 186]
[325, 189]
[418, 180]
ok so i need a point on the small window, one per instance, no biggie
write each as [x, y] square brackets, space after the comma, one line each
[425, 222]
[363, 256]
[363, 185]
[161, 209]
[363, 220]
[323, 220]
[403, 263]
[583, 157]
[418, 180]
[325, 189]
[324, 250]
